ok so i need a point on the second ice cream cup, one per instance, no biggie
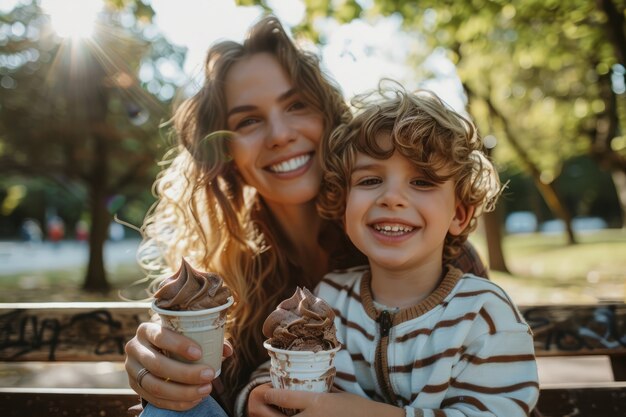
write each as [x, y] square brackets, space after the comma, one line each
[206, 327]
[301, 370]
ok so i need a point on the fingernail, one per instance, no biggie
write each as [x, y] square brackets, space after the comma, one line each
[207, 374]
[194, 351]
[205, 389]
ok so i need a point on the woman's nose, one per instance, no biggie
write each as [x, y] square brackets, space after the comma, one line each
[392, 196]
[280, 132]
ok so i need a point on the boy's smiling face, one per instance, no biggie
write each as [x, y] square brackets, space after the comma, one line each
[398, 217]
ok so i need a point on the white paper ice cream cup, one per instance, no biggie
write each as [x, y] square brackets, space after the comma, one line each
[298, 370]
[206, 327]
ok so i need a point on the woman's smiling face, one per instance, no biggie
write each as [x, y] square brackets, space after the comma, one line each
[276, 132]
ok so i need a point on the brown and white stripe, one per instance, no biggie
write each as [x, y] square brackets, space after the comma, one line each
[465, 348]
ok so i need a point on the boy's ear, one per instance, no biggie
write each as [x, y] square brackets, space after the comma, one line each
[462, 216]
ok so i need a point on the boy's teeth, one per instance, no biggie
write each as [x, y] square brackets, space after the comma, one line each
[392, 228]
[291, 164]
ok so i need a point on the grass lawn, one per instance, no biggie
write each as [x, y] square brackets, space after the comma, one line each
[544, 269]
[65, 285]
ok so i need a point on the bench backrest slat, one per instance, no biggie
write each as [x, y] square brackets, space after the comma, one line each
[563, 330]
[68, 331]
[99, 331]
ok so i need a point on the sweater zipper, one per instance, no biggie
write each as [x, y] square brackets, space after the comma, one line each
[385, 321]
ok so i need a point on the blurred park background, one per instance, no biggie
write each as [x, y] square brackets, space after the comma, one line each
[86, 90]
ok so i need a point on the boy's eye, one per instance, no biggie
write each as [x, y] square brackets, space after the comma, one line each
[364, 182]
[422, 183]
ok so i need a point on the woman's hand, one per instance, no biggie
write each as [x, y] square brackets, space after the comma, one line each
[334, 404]
[169, 383]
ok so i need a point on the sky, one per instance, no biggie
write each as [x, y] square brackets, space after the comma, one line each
[350, 48]
[356, 55]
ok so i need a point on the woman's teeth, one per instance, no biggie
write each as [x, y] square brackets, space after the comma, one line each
[291, 164]
[395, 229]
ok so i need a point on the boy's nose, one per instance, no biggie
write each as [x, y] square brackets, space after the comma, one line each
[392, 197]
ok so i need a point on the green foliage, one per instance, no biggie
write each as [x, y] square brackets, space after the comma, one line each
[342, 11]
[586, 189]
[75, 110]
[545, 65]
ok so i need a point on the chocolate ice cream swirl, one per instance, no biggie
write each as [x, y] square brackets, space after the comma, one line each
[189, 289]
[302, 322]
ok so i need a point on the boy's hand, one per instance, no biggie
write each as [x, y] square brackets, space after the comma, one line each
[314, 404]
[257, 404]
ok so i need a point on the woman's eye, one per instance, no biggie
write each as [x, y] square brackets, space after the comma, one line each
[297, 105]
[245, 122]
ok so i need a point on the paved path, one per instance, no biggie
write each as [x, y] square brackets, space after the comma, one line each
[19, 257]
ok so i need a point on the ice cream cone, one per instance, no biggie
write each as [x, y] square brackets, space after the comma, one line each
[299, 370]
[206, 327]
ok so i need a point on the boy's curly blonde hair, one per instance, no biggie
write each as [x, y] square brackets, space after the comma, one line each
[441, 143]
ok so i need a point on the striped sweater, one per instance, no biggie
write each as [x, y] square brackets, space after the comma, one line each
[464, 351]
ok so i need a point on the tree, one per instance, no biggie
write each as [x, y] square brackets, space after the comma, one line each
[544, 77]
[543, 71]
[75, 110]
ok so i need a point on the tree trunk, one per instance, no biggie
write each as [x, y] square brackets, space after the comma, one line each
[607, 127]
[493, 234]
[619, 179]
[614, 26]
[547, 191]
[96, 279]
[492, 222]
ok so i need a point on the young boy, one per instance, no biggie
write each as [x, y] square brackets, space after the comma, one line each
[408, 179]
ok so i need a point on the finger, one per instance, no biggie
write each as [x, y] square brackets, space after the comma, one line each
[289, 399]
[160, 365]
[227, 349]
[257, 407]
[177, 404]
[266, 411]
[169, 341]
[165, 393]
[271, 411]
[173, 404]
[184, 389]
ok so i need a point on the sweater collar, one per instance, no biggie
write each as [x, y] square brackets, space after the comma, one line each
[449, 281]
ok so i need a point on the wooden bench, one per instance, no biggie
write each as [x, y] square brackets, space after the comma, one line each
[92, 332]
[575, 331]
[67, 332]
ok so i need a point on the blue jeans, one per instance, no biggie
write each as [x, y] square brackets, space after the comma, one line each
[207, 408]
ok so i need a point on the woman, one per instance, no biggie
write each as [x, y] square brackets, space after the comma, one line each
[239, 199]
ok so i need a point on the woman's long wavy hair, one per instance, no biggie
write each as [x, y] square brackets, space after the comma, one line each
[208, 215]
[441, 143]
